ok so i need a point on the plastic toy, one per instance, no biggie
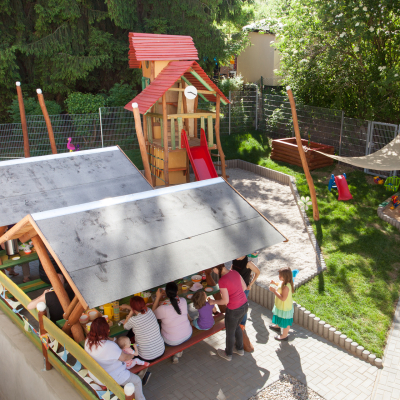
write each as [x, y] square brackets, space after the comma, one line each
[378, 180]
[294, 273]
[70, 146]
[340, 183]
[392, 183]
[395, 201]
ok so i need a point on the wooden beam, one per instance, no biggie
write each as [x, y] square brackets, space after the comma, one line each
[2, 230]
[192, 115]
[185, 111]
[13, 232]
[48, 122]
[210, 133]
[196, 103]
[174, 89]
[142, 142]
[303, 156]
[43, 332]
[217, 137]
[27, 236]
[73, 317]
[23, 120]
[71, 307]
[173, 145]
[151, 114]
[51, 272]
[165, 128]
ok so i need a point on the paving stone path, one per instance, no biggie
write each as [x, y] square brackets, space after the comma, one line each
[322, 366]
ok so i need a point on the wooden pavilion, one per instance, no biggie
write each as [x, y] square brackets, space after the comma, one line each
[169, 66]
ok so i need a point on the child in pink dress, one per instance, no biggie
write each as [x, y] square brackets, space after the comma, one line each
[125, 344]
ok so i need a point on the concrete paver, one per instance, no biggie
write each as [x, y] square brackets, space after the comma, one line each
[202, 374]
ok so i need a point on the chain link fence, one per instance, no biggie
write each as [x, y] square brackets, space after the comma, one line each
[248, 109]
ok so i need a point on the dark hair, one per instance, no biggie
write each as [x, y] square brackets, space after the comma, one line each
[171, 289]
[287, 275]
[137, 303]
[199, 300]
[220, 267]
[99, 330]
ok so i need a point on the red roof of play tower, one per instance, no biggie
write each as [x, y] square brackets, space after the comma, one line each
[153, 47]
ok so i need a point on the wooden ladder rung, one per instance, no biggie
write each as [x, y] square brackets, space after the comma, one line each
[177, 169]
[220, 164]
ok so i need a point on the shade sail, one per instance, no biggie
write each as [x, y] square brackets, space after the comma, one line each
[115, 248]
[37, 184]
[385, 159]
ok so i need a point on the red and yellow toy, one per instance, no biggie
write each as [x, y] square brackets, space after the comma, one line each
[395, 201]
[378, 180]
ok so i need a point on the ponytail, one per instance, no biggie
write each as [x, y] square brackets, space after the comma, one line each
[171, 290]
[220, 267]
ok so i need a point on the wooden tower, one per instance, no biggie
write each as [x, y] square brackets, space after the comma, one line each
[169, 66]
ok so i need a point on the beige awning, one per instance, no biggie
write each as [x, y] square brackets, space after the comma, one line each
[385, 159]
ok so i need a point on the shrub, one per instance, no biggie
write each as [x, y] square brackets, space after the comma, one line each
[84, 103]
[231, 84]
[32, 107]
[120, 94]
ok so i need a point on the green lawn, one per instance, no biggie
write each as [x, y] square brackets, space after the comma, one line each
[358, 292]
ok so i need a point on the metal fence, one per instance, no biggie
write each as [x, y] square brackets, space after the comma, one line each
[248, 109]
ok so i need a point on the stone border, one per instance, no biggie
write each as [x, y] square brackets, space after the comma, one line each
[261, 294]
[386, 218]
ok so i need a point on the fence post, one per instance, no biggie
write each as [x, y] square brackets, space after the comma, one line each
[41, 308]
[341, 133]
[101, 128]
[367, 142]
[256, 107]
[229, 113]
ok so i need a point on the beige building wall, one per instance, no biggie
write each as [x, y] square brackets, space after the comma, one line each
[259, 59]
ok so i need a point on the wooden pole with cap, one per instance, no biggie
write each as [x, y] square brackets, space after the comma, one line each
[303, 155]
[142, 142]
[41, 308]
[23, 119]
[47, 119]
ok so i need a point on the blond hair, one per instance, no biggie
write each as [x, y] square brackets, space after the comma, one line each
[199, 299]
[287, 275]
[123, 342]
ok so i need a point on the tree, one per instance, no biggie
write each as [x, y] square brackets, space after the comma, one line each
[342, 54]
[65, 46]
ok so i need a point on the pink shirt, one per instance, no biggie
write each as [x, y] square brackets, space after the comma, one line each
[174, 327]
[233, 282]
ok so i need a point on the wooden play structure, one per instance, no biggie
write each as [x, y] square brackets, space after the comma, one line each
[287, 150]
[172, 84]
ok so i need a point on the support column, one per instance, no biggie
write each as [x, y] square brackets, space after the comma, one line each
[23, 120]
[165, 129]
[220, 151]
[48, 122]
[41, 308]
[51, 272]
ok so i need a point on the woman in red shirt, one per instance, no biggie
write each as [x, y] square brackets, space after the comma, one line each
[232, 287]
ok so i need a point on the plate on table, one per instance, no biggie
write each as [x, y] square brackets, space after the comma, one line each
[189, 296]
[208, 289]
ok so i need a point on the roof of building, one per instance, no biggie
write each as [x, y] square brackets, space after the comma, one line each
[153, 47]
[43, 183]
[116, 247]
[190, 71]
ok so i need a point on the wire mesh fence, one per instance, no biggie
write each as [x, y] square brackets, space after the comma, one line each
[269, 113]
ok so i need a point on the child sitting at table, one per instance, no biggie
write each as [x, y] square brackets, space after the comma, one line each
[205, 320]
[125, 344]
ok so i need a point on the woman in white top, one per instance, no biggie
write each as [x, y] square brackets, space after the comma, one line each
[110, 357]
[175, 320]
[144, 325]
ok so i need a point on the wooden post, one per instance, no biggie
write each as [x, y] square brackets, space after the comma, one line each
[142, 142]
[73, 317]
[41, 308]
[218, 139]
[196, 103]
[77, 333]
[71, 307]
[47, 119]
[51, 272]
[185, 111]
[27, 236]
[129, 390]
[165, 127]
[23, 119]
[303, 156]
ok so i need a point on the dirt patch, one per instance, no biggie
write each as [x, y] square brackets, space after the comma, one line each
[395, 213]
[341, 169]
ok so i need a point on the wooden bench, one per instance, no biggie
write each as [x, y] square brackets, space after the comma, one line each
[196, 337]
[33, 285]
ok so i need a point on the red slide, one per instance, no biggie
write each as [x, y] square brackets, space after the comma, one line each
[343, 188]
[199, 157]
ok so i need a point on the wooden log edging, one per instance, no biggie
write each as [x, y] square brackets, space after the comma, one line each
[260, 293]
[386, 218]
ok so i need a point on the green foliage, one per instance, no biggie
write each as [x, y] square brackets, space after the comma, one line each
[120, 94]
[32, 107]
[84, 103]
[342, 55]
[231, 84]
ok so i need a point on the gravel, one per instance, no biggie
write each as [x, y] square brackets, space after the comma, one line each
[287, 388]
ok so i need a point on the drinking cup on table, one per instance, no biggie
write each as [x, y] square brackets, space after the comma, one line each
[93, 315]
[185, 288]
[84, 319]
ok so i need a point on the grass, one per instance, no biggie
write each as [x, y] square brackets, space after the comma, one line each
[358, 292]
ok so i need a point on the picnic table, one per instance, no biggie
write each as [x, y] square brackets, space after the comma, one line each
[8, 263]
